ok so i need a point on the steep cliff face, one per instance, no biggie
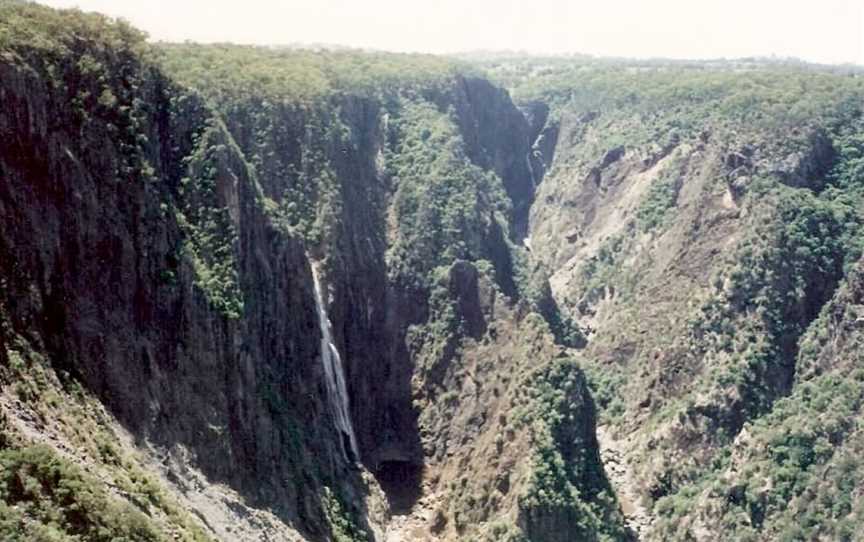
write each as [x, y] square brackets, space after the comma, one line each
[158, 238]
[250, 293]
[416, 203]
[358, 217]
[785, 467]
[696, 247]
[138, 260]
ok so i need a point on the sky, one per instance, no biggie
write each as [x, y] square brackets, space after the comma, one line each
[829, 31]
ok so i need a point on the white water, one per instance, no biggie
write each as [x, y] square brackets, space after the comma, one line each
[530, 169]
[334, 376]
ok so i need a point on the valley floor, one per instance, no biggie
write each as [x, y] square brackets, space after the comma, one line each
[623, 481]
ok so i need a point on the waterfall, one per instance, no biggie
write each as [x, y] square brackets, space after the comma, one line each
[531, 169]
[334, 376]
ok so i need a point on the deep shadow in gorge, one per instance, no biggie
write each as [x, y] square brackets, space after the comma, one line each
[401, 483]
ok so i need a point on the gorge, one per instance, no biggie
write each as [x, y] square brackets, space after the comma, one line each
[263, 293]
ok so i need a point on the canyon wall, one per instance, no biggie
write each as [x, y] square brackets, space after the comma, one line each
[159, 236]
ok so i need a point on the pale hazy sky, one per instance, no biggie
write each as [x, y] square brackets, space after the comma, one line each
[822, 31]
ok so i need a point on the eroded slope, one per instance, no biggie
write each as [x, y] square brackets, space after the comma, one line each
[695, 223]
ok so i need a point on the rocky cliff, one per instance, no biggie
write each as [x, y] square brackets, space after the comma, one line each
[696, 225]
[223, 267]
[140, 263]
[265, 294]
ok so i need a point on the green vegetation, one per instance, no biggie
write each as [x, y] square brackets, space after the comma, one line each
[567, 480]
[658, 206]
[310, 204]
[342, 527]
[747, 366]
[95, 64]
[444, 205]
[45, 498]
[658, 103]
[208, 196]
[284, 125]
[232, 73]
[756, 333]
[781, 278]
[260, 130]
[437, 338]
[752, 334]
[797, 470]
[799, 482]
[598, 271]
[38, 35]
[694, 93]
[606, 389]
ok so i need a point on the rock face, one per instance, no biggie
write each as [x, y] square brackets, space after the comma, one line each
[487, 278]
[99, 278]
[156, 246]
[682, 257]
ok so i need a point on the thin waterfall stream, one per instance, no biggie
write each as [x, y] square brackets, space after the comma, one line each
[531, 169]
[334, 376]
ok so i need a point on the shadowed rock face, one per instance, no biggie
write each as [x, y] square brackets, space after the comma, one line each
[96, 277]
[156, 268]
[155, 247]
[370, 314]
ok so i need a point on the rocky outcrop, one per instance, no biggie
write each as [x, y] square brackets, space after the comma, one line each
[159, 229]
[371, 315]
[102, 276]
[156, 245]
[678, 257]
[498, 137]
